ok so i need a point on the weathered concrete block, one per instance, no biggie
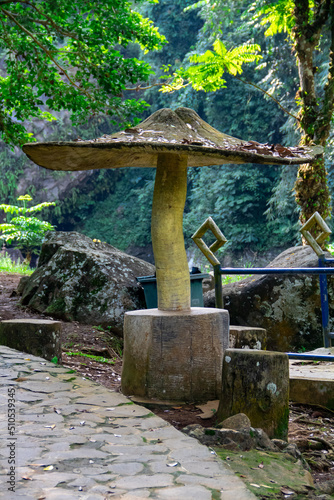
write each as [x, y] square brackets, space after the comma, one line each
[313, 383]
[34, 336]
[247, 337]
[174, 355]
[256, 383]
[312, 391]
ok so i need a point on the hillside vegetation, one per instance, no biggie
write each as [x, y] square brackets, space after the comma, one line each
[253, 205]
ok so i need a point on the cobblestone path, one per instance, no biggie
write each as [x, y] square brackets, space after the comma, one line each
[65, 437]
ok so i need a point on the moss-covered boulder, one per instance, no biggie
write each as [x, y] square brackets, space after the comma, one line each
[287, 306]
[78, 279]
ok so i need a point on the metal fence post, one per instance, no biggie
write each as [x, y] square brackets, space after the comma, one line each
[218, 287]
[324, 303]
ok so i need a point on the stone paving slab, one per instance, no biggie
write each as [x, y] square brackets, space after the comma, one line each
[75, 439]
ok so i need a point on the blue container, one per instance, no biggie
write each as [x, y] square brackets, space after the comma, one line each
[149, 284]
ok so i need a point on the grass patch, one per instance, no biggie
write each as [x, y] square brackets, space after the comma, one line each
[233, 278]
[268, 474]
[7, 266]
[99, 359]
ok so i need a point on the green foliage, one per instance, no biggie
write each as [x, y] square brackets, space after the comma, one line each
[234, 196]
[256, 207]
[282, 212]
[239, 204]
[233, 278]
[69, 55]
[124, 218]
[279, 16]
[11, 169]
[330, 248]
[206, 72]
[8, 266]
[27, 231]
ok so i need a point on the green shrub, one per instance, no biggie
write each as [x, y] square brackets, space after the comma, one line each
[25, 229]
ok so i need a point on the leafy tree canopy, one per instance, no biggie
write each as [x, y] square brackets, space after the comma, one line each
[305, 22]
[60, 54]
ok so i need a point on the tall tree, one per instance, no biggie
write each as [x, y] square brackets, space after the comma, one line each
[305, 22]
[60, 54]
[316, 109]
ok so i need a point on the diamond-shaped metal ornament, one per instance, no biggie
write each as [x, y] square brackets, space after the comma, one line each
[315, 243]
[209, 225]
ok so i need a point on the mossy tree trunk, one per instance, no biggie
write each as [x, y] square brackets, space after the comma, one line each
[170, 190]
[316, 112]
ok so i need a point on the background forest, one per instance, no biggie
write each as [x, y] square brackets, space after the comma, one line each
[253, 205]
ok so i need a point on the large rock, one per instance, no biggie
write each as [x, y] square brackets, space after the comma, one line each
[81, 280]
[243, 439]
[287, 306]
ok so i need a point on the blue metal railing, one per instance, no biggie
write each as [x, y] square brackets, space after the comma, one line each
[311, 357]
[321, 270]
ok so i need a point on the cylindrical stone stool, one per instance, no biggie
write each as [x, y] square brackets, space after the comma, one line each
[41, 337]
[174, 356]
[256, 383]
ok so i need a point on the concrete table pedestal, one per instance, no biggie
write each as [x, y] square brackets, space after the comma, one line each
[174, 356]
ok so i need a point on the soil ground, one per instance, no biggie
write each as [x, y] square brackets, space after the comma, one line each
[311, 427]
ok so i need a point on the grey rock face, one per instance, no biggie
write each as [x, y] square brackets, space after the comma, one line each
[237, 422]
[14, 253]
[230, 439]
[287, 306]
[80, 280]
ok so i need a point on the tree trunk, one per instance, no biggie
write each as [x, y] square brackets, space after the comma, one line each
[312, 192]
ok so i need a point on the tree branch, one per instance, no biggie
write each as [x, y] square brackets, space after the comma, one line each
[56, 26]
[44, 49]
[269, 95]
[139, 87]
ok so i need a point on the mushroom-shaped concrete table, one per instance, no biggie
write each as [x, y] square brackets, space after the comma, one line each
[173, 352]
